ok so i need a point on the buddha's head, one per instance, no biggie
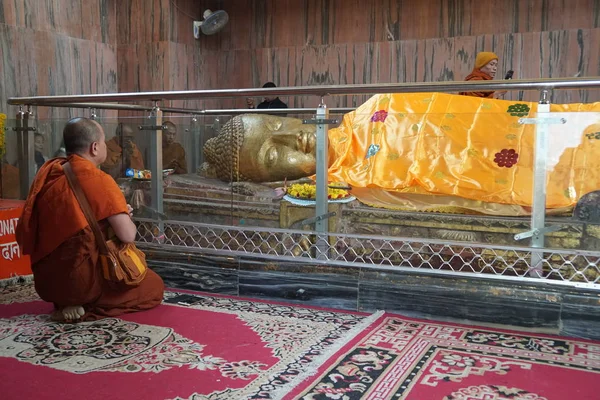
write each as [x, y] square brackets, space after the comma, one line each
[262, 148]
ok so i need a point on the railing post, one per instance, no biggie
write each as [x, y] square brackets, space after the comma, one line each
[195, 143]
[25, 150]
[538, 213]
[322, 207]
[156, 167]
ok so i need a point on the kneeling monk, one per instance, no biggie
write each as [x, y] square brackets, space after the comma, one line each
[55, 233]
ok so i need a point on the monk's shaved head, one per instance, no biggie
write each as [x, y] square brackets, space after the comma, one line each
[79, 134]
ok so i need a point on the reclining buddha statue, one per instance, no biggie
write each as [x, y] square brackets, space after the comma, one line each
[423, 152]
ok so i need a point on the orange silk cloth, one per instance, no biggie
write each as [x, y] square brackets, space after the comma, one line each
[477, 75]
[115, 153]
[52, 214]
[473, 148]
[174, 157]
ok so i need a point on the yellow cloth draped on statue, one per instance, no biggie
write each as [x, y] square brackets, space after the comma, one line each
[428, 151]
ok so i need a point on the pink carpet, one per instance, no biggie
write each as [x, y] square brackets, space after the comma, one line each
[191, 347]
[204, 347]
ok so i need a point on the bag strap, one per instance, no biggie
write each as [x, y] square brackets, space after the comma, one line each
[85, 207]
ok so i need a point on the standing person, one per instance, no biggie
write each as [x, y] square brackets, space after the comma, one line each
[486, 67]
[268, 102]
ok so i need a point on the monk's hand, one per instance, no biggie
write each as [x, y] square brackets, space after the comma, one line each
[500, 94]
[128, 147]
[173, 164]
[250, 102]
[129, 210]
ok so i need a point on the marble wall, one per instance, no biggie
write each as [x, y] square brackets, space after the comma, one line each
[312, 42]
[51, 47]
[55, 47]
[86, 46]
[157, 50]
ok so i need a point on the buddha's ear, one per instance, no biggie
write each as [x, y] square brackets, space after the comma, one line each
[274, 124]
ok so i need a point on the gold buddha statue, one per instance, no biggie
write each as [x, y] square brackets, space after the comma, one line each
[423, 152]
[261, 148]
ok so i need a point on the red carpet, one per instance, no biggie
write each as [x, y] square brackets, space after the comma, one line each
[403, 358]
[206, 347]
[211, 348]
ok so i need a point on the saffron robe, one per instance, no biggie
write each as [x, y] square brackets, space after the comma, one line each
[444, 152]
[174, 157]
[55, 233]
[114, 158]
[477, 75]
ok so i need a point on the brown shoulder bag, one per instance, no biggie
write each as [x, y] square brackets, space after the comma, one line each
[122, 263]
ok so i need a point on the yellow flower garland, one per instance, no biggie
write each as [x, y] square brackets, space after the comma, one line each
[2, 137]
[309, 191]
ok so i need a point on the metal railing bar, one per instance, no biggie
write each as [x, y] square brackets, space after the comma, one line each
[124, 107]
[425, 241]
[197, 112]
[325, 90]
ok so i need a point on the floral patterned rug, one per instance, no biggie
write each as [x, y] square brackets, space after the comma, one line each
[191, 347]
[403, 358]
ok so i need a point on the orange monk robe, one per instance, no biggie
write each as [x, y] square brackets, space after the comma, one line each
[11, 186]
[54, 232]
[114, 156]
[478, 75]
[174, 157]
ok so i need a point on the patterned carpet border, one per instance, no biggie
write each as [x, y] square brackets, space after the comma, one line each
[406, 358]
[286, 379]
[326, 356]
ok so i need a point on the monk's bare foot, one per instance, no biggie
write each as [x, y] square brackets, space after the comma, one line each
[73, 313]
[68, 314]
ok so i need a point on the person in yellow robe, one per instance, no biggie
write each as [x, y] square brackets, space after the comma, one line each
[486, 67]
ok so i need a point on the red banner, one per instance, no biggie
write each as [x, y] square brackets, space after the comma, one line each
[12, 261]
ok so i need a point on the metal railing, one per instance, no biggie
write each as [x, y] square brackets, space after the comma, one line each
[537, 261]
[577, 268]
[320, 91]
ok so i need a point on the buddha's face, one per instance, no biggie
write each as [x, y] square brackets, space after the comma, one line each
[277, 148]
